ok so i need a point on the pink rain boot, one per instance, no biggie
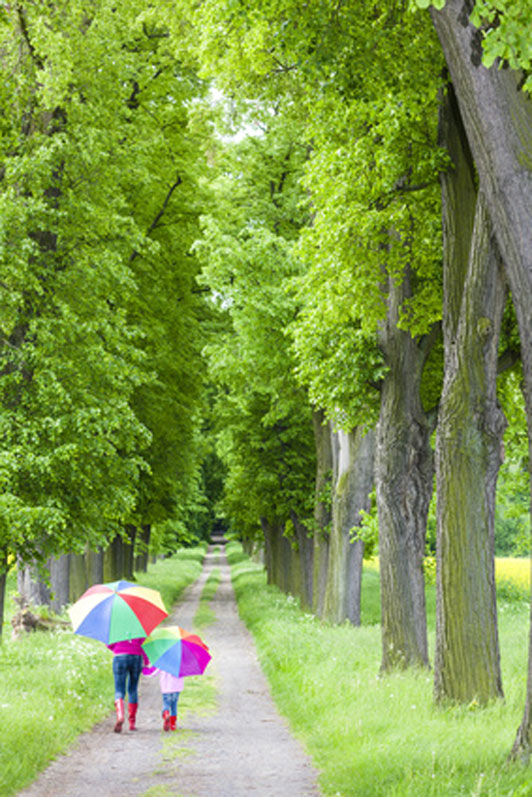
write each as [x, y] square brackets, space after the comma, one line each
[119, 705]
[132, 714]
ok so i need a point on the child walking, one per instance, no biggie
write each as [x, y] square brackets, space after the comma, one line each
[171, 688]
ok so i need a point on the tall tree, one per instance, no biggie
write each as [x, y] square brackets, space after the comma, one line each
[497, 118]
[470, 429]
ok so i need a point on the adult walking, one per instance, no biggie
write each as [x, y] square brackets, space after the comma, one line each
[128, 660]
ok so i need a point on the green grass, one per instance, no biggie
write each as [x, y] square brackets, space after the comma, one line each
[375, 736]
[54, 686]
[205, 615]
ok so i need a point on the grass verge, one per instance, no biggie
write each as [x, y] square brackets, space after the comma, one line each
[205, 615]
[375, 736]
[53, 686]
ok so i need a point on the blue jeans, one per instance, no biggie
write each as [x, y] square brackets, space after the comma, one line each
[126, 670]
[170, 702]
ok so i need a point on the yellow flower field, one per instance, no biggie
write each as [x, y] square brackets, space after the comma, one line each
[513, 569]
[507, 568]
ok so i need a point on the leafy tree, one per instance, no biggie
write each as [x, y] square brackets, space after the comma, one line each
[101, 374]
[263, 419]
[496, 117]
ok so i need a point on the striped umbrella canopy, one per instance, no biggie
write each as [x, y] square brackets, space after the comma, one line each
[174, 650]
[117, 611]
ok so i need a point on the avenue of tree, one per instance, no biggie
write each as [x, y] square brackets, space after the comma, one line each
[300, 305]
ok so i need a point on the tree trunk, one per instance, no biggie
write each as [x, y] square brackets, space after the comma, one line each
[31, 588]
[404, 485]
[143, 548]
[3, 581]
[468, 455]
[129, 551]
[78, 575]
[271, 535]
[323, 509]
[113, 560]
[305, 547]
[94, 567]
[353, 480]
[498, 120]
[60, 582]
[470, 429]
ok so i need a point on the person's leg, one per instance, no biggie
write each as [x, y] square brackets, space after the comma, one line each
[173, 710]
[134, 670]
[119, 673]
[166, 710]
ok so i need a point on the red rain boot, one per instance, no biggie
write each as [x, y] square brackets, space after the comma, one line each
[119, 705]
[166, 720]
[132, 713]
[172, 723]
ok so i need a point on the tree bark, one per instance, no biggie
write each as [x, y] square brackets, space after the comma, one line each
[113, 560]
[3, 582]
[470, 430]
[94, 567]
[305, 549]
[468, 455]
[143, 548]
[404, 485]
[280, 565]
[31, 588]
[353, 479]
[60, 582]
[323, 509]
[498, 120]
[78, 575]
[129, 551]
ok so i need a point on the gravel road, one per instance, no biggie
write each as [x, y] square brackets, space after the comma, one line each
[240, 747]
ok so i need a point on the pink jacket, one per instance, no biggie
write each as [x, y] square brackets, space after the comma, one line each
[167, 681]
[132, 647]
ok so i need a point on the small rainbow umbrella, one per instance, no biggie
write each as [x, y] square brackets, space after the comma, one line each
[117, 611]
[174, 650]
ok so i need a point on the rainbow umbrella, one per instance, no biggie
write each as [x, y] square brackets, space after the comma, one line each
[174, 650]
[117, 611]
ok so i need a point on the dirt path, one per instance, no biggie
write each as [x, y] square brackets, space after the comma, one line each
[242, 747]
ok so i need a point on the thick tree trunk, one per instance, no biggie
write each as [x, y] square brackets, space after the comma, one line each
[470, 431]
[353, 480]
[468, 456]
[404, 484]
[498, 120]
[323, 509]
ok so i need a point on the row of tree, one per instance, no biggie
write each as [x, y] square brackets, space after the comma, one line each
[376, 129]
[102, 321]
[352, 349]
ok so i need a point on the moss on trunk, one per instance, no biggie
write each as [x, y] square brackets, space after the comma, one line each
[404, 484]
